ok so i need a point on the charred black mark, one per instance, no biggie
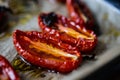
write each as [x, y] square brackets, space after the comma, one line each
[49, 19]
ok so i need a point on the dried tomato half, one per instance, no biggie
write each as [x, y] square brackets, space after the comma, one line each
[70, 32]
[46, 51]
[81, 14]
[6, 70]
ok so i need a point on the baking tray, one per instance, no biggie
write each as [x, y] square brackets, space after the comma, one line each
[108, 47]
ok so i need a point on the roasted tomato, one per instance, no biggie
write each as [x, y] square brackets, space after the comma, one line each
[4, 18]
[46, 51]
[70, 32]
[81, 14]
[6, 70]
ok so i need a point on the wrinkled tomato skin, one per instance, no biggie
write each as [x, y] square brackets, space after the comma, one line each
[39, 59]
[73, 12]
[84, 45]
[73, 9]
[6, 70]
[76, 9]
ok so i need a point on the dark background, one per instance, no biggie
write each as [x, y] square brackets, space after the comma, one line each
[115, 3]
[110, 71]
